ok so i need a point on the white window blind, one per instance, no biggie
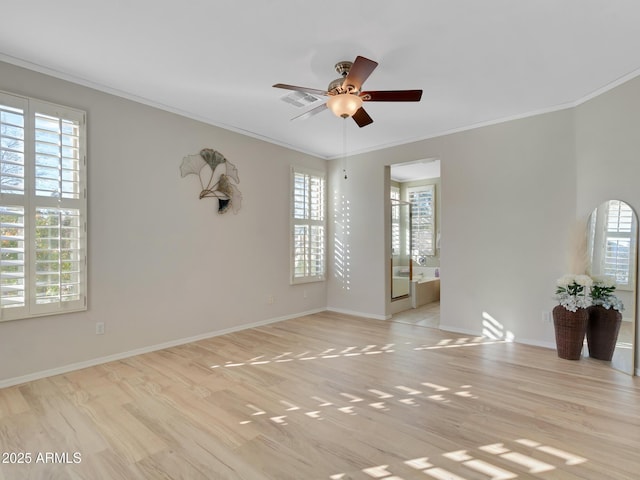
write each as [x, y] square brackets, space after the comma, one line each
[422, 221]
[395, 221]
[618, 255]
[12, 263]
[42, 208]
[308, 226]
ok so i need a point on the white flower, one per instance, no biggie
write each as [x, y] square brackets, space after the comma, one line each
[573, 291]
[602, 293]
[582, 291]
[565, 280]
[574, 302]
[584, 280]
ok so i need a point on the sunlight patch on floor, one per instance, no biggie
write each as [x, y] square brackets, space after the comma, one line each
[352, 404]
[461, 342]
[329, 353]
[512, 463]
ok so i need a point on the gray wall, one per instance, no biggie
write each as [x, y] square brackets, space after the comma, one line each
[163, 265]
[508, 196]
[515, 199]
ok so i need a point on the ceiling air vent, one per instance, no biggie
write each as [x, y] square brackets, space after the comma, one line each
[300, 99]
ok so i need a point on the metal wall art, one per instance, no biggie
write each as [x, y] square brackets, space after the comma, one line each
[217, 176]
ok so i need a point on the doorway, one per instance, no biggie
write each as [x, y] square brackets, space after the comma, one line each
[414, 243]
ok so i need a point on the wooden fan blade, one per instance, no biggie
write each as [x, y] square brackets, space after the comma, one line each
[313, 91]
[311, 113]
[359, 72]
[392, 96]
[362, 118]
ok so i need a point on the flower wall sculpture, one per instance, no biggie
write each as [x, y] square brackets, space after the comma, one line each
[217, 176]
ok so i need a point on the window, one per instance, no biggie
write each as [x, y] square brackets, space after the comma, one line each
[422, 222]
[395, 221]
[618, 243]
[43, 208]
[308, 226]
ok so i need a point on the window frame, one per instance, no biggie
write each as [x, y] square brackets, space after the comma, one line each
[65, 204]
[310, 223]
[621, 215]
[394, 197]
[416, 249]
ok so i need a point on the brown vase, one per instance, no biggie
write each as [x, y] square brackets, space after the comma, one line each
[602, 332]
[570, 330]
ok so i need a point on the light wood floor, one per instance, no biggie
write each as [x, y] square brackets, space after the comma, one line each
[425, 316]
[328, 396]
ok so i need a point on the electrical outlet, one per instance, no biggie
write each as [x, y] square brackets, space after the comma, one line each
[546, 317]
[270, 299]
[99, 328]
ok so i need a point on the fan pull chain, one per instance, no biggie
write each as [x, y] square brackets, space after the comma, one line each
[344, 147]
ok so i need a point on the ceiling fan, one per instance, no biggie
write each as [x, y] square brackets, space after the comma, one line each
[346, 95]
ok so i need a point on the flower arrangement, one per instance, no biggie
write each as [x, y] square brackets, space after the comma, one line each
[582, 291]
[573, 291]
[602, 293]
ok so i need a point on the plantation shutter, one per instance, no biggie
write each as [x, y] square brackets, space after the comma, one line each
[12, 263]
[308, 226]
[422, 222]
[618, 253]
[395, 221]
[42, 208]
[13, 203]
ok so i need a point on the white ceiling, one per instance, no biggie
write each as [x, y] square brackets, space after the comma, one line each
[478, 62]
[417, 170]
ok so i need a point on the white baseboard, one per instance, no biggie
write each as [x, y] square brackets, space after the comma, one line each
[452, 329]
[358, 314]
[9, 382]
[475, 333]
[536, 343]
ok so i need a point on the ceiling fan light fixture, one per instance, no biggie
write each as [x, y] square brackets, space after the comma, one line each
[344, 105]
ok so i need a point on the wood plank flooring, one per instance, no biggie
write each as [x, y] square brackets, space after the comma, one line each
[328, 396]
